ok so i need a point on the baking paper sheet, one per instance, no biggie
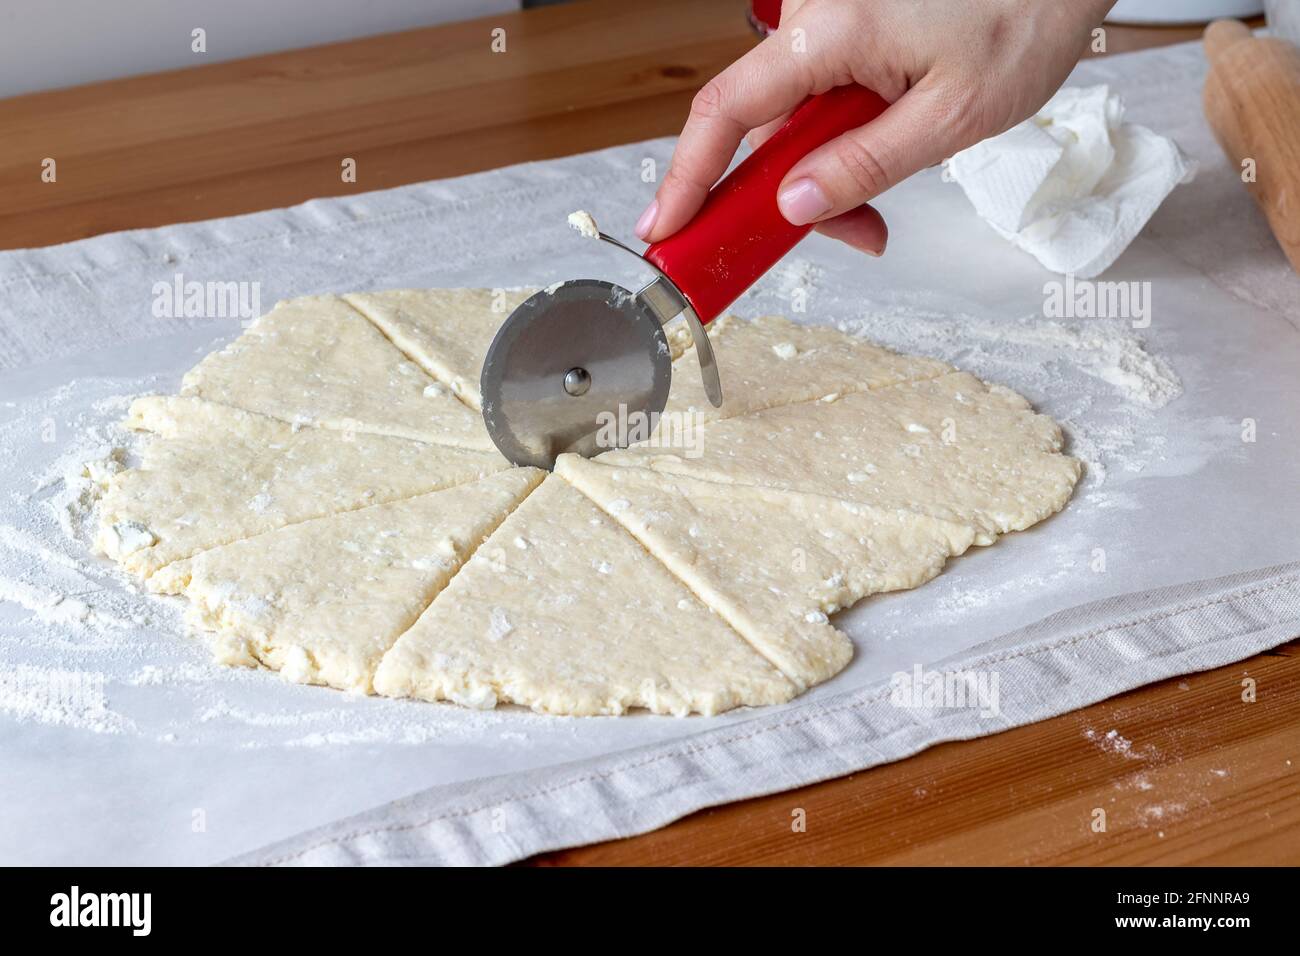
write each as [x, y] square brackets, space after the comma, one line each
[120, 743]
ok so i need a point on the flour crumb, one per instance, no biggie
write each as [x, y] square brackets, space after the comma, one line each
[1112, 742]
[1163, 811]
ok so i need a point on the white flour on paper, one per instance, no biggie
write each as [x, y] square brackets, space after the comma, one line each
[51, 695]
[83, 647]
[1104, 349]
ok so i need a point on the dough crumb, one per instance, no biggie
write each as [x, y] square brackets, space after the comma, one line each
[475, 697]
[297, 666]
[128, 537]
[581, 221]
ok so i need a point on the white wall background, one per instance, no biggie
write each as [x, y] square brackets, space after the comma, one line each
[52, 43]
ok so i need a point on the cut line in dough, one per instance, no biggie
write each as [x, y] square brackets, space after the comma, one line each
[317, 361]
[211, 474]
[322, 600]
[951, 448]
[770, 362]
[561, 610]
[446, 331]
[774, 564]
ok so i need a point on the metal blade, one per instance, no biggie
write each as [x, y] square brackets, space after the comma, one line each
[580, 367]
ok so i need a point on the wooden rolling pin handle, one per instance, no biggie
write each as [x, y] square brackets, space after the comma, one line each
[1252, 102]
[1222, 35]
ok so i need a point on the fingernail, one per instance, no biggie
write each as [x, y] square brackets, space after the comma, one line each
[647, 220]
[802, 201]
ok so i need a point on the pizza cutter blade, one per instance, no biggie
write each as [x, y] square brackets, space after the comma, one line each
[584, 366]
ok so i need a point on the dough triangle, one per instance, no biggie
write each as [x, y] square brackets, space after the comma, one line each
[315, 360]
[952, 448]
[447, 331]
[772, 563]
[561, 610]
[771, 361]
[212, 474]
[322, 600]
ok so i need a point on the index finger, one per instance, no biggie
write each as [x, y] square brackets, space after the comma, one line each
[765, 83]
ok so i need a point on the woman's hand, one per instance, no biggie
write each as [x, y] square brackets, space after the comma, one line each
[956, 72]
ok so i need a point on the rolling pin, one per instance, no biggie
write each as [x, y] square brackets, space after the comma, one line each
[1252, 101]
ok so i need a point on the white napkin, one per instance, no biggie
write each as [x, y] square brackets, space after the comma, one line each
[1074, 184]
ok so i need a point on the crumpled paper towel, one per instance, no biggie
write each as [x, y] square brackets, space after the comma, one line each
[1075, 184]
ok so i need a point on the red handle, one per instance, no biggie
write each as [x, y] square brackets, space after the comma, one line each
[739, 233]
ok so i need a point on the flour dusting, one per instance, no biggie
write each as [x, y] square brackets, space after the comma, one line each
[1107, 350]
[1115, 743]
[1098, 377]
[51, 695]
[85, 648]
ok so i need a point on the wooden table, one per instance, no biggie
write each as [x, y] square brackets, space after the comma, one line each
[1212, 779]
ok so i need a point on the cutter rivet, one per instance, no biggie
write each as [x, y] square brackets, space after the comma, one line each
[577, 381]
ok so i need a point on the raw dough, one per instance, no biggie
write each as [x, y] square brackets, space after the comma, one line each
[317, 361]
[561, 610]
[771, 361]
[214, 474]
[447, 331]
[321, 601]
[774, 564]
[288, 498]
[951, 448]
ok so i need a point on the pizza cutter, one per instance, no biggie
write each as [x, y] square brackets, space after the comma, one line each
[584, 366]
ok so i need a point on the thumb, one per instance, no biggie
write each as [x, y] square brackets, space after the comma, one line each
[861, 164]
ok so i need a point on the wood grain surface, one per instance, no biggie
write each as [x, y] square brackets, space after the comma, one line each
[1206, 778]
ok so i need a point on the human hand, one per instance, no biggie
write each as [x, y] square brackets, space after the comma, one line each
[955, 72]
